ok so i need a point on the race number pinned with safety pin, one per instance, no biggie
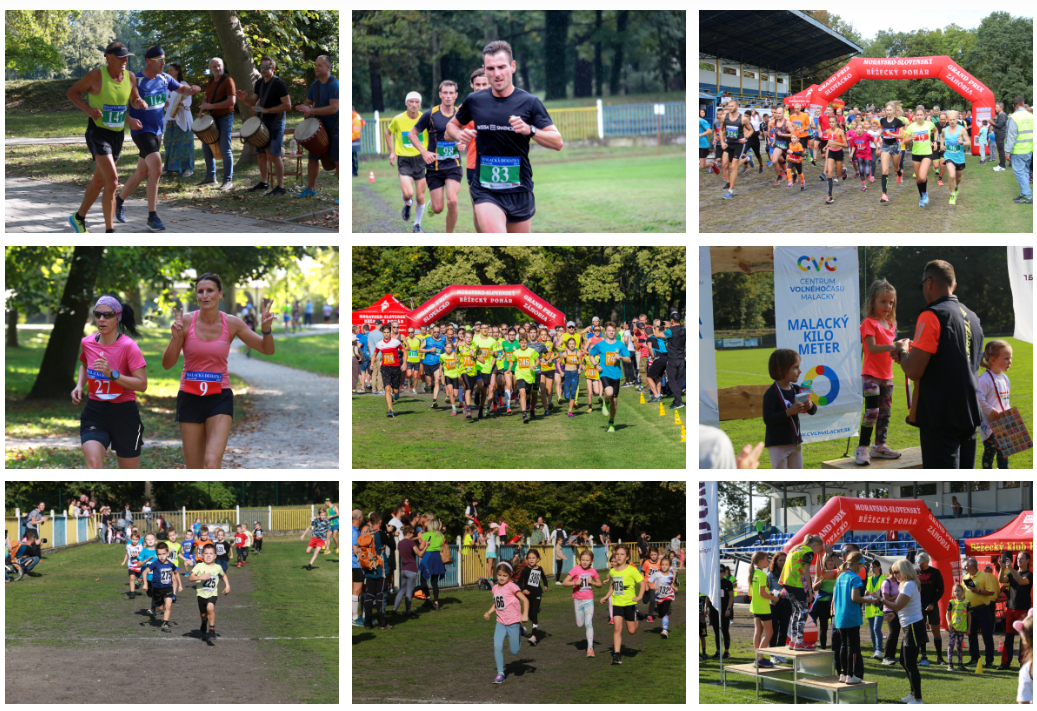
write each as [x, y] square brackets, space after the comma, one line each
[101, 386]
[198, 382]
[499, 172]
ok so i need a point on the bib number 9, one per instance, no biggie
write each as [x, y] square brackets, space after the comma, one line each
[202, 383]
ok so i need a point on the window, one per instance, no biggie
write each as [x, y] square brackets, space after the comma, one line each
[749, 75]
[730, 71]
[1011, 484]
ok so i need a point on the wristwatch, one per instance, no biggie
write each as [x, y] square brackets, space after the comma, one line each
[115, 374]
[532, 131]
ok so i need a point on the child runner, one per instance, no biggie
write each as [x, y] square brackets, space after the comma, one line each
[834, 158]
[571, 380]
[392, 376]
[959, 624]
[861, 143]
[187, 550]
[955, 141]
[878, 331]
[590, 371]
[197, 528]
[796, 153]
[939, 147]
[847, 599]
[760, 607]
[450, 362]
[920, 136]
[506, 602]
[892, 129]
[648, 566]
[223, 547]
[320, 527]
[332, 526]
[609, 353]
[529, 583]
[624, 578]
[413, 343]
[547, 369]
[994, 397]
[665, 581]
[148, 554]
[176, 558]
[510, 345]
[582, 577]
[132, 560]
[257, 537]
[241, 544]
[209, 573]
[164, 574]
[526, 359]
[470, 376]
[795, 578]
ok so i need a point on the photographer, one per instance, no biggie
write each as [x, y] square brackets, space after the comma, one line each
[28, 553]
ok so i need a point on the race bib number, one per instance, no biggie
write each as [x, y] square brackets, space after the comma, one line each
[413, 355]
[592, 373]
[389, 358]
[102, 386]
[585, 583]
[406, 139]
[199, 382]
[167, 577]
[113, 115]
[664, 590]
[617, 586]
[498, 602]
[156, 101]
[611, 358]
[499, 173]
[446, 151]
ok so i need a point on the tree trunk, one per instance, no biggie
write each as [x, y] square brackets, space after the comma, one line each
[229, 305]
[134, 300]
[556, 33]
[57, 370]
[584, 83]
[622, 16]
[437, 69]
[490, 32]
[147, 492]
[598, 65]
[12, 326]
[237, 59]
[377, 101]
[523, 69]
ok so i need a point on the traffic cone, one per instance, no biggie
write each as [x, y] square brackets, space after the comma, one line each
[642, 398]
[683, 434]
[979, 666]
[662, 412]
[676, 418]
[1001, 645]
[370, 178]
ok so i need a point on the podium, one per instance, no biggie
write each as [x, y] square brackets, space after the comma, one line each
[910, 458]
[810, 675]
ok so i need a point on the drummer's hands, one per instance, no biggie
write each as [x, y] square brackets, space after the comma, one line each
[95, 114]
[101, 364]
[304, 109]
[195, 89]
[177, 328]
[268, 317]
[205, 106]
[241, 95]
[135, 125]
[77, 394]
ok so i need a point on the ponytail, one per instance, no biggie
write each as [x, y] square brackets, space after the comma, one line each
[129, 321]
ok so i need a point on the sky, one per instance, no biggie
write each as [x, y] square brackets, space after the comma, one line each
[910, 18]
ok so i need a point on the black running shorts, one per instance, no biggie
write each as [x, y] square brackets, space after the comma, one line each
[114, 424]
[438, 178]
[517, 206]
[392, 377]
[101, 141]
[199, 408]
[147, 143]
[411, 166]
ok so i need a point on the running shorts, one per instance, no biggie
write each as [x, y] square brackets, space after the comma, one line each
[159, 595]
[101, 141]
[114, 424]
[703, 152]
[821, 145]
[893, 150]
[203, 603]
[438, 178]
[199, 408]
[918, 159]
[624, 612]
[471, 173]
[451, 381]
[411, 166]
[836, 155]
[521, 384]
[517, 206]
[611, 383]
[392, 377]
[414, 365]
[470, 381]
[957, 166]
[736, 151]
[147, 143]
[937, 155]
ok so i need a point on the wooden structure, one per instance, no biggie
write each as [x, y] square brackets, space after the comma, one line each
[910, 458]
[812, 677]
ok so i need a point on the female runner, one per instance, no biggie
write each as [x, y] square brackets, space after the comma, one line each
[938, 151]
[783, 132]
[827, 124]
[862, 141]
[875, 131]
[113, 367]
[921, 139]
[891, 132]
[955, 140]
[834, 157]
[205, 404]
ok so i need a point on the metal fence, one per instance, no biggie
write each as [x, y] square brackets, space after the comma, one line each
[640, 119]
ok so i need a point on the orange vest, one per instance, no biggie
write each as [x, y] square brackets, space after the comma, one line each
[358, 124]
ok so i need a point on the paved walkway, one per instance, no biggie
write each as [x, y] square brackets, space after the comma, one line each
[41, 206]
[60, 140]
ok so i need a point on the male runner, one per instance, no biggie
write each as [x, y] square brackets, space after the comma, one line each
[392, 375]
[478, 83]
[506, 119]
[442, 164]
[737, 130]
[432, 346]
[470, 375]
[411, 164]
[509, 345]
[609, 353]
[487, 348]
[413, 344]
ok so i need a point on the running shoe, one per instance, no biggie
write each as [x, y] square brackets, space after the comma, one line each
[822, 177]
[1023, 200]
[120, 213]
[939, 181]
[727, 186]
[417, 228]
[304, 194]
[155, 224]
[777, 182]
[406, 211]
[435, 405]
[864, 187]
[844, 173]
[829, 200]
[884, 198]
[390, 414]
[871, 178]
[604, 408]
[925, 198]
[789, 185]
[802, 186]
[617, 658]
[77, 224]
[769, 164]
[571, 414]
[921, 202]
[730, 194]
[861, 456]
[612, 429]
[899, 178]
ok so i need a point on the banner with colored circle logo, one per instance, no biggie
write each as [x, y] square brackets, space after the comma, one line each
[817, 315]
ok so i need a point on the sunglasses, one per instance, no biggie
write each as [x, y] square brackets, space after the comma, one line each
[104, 314]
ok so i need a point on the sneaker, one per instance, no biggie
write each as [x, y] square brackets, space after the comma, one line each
[590, 651]
[499, 679]
[665, 634]
[765, 664]
[853, 680]
[166, 627]
[916, 701]
[558, 582]
[306, 193]
[187, 174]
[406, 216]
[155, 224]
[226, 185]
[277, 191]
[997, 168]
[1004, 667]
[617, 658]
[1024, 200]
[258, 187]
[889, 662]
[842, 678]
[207, 181]
[877, 655]
[611, 429]
[882, 451]
[924, 662]
[907, 699]
[77, 224]
[727, 655]
[417, 228]
[120, 213]
[950, 667]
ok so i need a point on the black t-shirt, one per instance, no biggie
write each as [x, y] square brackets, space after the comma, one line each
[890, 128]
[727, 591]
[222, 549]
[106, 518]
[1020, 597]
[676, 342]
[947, 390]
[446, 151]
[270, 94]
[532, 580]
[931, 584]
[501, 151]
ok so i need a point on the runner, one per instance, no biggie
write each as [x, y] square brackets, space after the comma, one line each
[834, 158]
[432, 346]
[153, 85]
[796, 153]
[205, 404]
[955, 141]
[590, 372]
[500, 367]
[392, 373]
[861, 143]
[754, 140]
[737, 130]
[450, 362]
[411, 165]
[509, 346]
[413, 345]
[875, 131]
[825, 123]
[442, 163]
[570, 360]
[487, 348]
[478, 82]
[783, 133]
[113, 369]
[800, 121]
[704, 134]
[609, 353]
[920, 138]
[892, 129]
[503, 191]
[110, 92]
[526, 360]
[938, 150]
[904, 121]
[547, 369]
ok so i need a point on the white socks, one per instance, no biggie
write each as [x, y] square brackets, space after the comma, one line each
[356, 604]
[418, 211]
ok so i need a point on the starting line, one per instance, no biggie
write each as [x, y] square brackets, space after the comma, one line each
[178, 638]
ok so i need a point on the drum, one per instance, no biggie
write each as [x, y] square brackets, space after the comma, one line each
[205, 128]
[255, 132]
[311, 135]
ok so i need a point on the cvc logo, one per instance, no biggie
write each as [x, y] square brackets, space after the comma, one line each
[833, 385]
[806, 262]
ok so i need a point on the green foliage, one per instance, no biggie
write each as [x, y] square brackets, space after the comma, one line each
[22, 55]
[35, 277]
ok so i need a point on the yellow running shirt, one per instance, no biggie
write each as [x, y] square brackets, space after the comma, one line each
[400, 127]
[207, 588]
[624, 585]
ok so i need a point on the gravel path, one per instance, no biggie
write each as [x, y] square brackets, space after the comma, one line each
[378, 206]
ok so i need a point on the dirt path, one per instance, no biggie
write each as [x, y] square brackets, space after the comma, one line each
[371, 213]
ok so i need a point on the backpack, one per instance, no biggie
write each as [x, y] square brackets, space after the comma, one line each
[369, 558]
[485, 584]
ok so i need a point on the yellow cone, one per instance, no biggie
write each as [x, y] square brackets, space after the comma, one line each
[979, 666]
[676, 417]
[642, 398]
[683, 434]
[662, 412]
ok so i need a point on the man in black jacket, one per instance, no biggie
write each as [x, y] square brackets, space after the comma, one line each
[931, 583]
[1000, 131]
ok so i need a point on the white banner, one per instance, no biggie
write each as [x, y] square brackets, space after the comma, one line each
[1020, 275]
[709, 411]
[817, 314]
[709, 542]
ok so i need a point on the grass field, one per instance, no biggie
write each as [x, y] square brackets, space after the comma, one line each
[550, 105]
[72, 633]
[433, 439]
[939, 686]
[749, 367]
[317, 353]
[446, 656]
[577, 189]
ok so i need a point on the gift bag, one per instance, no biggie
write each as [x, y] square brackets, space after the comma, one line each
[1010, 432]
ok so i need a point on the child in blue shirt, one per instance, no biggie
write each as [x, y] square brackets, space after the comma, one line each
[161, 573]
[609, 353]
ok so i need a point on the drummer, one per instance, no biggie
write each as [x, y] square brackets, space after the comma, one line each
[270, 100]
[322, 102]
[219, 102]
[153, 84]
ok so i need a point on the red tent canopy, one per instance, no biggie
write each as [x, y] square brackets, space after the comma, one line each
[388, 308]
[1016, 536]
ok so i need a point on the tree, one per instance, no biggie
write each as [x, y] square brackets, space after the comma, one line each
[87, 38]
[35, 278]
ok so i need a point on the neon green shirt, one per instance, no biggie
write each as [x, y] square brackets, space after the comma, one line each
[413, 354]
[400, 127]
[207, 588]
[486, 347]
[113, 101]
[547, 364]
[525, 360]
[502, 361]
[451, 363]
[509, 348]
[469, 364]
[624, 585]
[760, 604]
[792, 573]
[922, 135]
[959, 614]
[174, 552]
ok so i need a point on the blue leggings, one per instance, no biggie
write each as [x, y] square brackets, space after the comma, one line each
[512, 631]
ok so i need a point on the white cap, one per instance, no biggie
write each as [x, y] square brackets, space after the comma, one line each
[413, 95]
[595, 319]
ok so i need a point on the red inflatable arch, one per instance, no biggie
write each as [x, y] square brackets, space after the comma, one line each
[943, 68]
[842, 514]
[456, 297]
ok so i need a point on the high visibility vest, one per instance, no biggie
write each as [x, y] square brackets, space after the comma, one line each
[1024, 135]
[358, 124]
[873, 610]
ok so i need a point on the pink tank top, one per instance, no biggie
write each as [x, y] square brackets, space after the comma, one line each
[208, 357]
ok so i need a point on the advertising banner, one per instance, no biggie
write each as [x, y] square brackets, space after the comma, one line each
[709, 542]
[1020, 275]
[817, 315]
[709, 411]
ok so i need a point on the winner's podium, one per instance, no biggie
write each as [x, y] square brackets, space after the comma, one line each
[810, 675]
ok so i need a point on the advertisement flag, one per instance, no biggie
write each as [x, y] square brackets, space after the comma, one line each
[1020, 274]
[817, 315]
[709, 411]
[709, 542]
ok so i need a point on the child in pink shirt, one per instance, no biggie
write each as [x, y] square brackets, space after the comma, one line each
[878, 332]
[582, 577]
[506, 602]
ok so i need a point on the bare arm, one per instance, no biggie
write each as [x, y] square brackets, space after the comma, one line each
[549, 137]
[136, 381]
[869, 342]
[264, 344]
[87, 83]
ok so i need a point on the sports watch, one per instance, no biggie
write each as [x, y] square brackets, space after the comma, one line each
[532, 130]
[115, 374]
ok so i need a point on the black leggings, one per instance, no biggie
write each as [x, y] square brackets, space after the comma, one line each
[258, 545]
[754, 143]
[720, 625]
[435, 587]
[781, 614]
[824, 615]
[914, 639]
[990, 449]
[373, 601]
[534, 610]
[892, 639]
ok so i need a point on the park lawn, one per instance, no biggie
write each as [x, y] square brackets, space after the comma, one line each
[41, 418]
[939, 686]
[580, 189]
[318, 353]
[433, 439]
[749, 367]
[279, 582]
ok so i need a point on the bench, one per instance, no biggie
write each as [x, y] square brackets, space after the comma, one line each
[910, 458]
